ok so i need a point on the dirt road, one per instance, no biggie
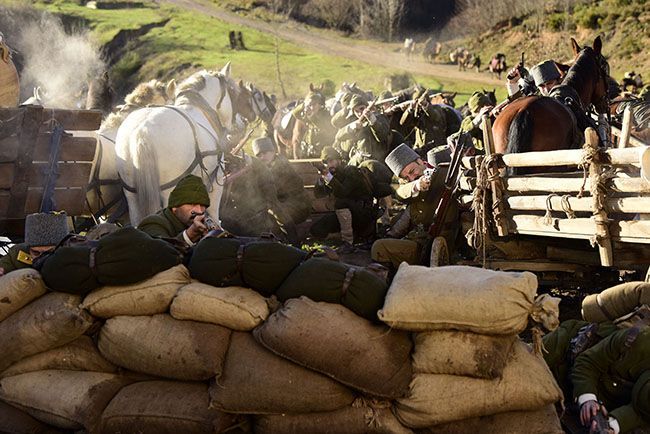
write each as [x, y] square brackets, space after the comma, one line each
[329, 43]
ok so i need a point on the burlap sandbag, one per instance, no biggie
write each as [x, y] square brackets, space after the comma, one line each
[321, 279]
[18, 288]
[79, 355]
[48, 322]
[615, 302]
[233, 306]
[163, 346]
[526, 384]
[262, 266]
[15, 421]
[332, 339]
[164, 407]
[540, 421]
[461, 353]
[148, 297]
[256, 381]
[459, 298]
[359, 418]
[65, 399]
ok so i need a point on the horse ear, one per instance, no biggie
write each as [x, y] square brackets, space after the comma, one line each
[598, 45]
[241, 84]
[575, 47]
[453, 95]
[311, 87]
[170, 89]
[225, 71]
[37, 92]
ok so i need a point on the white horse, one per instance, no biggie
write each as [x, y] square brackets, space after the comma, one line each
[105, 188]
[158, 146]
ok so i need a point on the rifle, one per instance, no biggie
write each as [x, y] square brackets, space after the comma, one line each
[601, 425]
[451, 181]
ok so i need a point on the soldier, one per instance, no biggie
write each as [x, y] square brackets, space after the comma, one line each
[290, 187]
[479, 106]
[240, 41]
[421, 190]
[313, 129]
[184, 218]
[370, 132]
[427, 121]
[353, 193]
[232, 39]
[542, 78]
[43, 232]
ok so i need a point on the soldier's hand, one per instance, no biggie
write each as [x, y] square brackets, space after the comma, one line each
[424, 183]
[197, 229]
[485, 110]
[514, 75]
[588, 410]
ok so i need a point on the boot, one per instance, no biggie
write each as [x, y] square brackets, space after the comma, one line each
[345, 221]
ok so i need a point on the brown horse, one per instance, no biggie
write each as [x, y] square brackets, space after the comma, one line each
[537, 123]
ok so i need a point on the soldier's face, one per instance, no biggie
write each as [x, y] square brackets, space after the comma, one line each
[187, 212]
[332, 165]
[413, 170]
[267, 156]
[358, 110]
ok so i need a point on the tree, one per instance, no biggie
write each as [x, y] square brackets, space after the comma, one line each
[380, 17]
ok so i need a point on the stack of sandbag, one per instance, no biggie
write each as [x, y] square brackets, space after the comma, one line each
[615, 302]
[471, 372]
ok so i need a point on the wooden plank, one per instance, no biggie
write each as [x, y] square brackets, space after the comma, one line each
[571, 185]
[6, 175]
[626, 128]
[633, 141]
[535, 266]
[70, 200]
[72, 148]
[570, 157]
[75, 120]
[70, 175]
[539, 203]
[10, 120]
[8, 148]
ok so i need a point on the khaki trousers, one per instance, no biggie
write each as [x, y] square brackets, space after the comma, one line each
[395, 251]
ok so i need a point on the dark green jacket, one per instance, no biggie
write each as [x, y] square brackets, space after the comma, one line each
[163, 224]
[10, 261]
[430, 126]
[348, 183]
[618, 373]
[373, 141]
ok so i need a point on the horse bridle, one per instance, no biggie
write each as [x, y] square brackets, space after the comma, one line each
[603, 72]
[261, 111]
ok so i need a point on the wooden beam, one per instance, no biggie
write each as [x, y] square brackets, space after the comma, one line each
[75, 120]
[631, 205]
[626, 128]
[70, 200]
[571, 185]
[633, 141]
[72, 148]
[69, 174]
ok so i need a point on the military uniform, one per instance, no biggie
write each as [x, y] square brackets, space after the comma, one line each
[290, 190]
[320, 132]
[16, 258]
[429, 127]
[369, 142]
[163, 224]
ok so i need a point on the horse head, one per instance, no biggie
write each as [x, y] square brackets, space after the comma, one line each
[589, 75]
[252, 103]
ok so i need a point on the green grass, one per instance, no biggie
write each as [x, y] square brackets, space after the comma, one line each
[191, 40]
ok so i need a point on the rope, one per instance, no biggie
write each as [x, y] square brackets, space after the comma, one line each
[566, 207]
[548, 218]
[476, 235]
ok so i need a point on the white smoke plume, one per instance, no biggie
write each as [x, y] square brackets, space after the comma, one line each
[58, 62]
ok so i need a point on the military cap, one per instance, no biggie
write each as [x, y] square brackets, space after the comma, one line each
[189, 190]
[329, 153]
[545, 71]
[262, 144]
[477, 101]
[46, 229]
[400, 157]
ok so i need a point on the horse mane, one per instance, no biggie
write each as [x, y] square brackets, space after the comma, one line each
[195, 82]
[139, 97]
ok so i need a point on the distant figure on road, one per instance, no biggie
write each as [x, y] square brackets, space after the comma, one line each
[233, 40]
[240, 41]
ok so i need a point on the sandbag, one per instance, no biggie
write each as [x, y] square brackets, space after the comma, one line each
[540, 421]
[358, 418]
[164, 407]
[321, 279]
[256, 381]
[124, 257]
[79, 355]
[526, 384]
[16, 421]
[65, 399]
[459, 298]
[48, 322]
[149, 297]
[333, 340]
[615, 302]
[163, 346]
[233, 306]
[18, 288]
[461, 353]
[262, 266]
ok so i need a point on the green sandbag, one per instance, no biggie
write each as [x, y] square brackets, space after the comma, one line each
[262, 266]
[124, 257]
[129, 256]
[324, 280]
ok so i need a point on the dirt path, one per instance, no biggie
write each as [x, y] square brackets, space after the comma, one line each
[329, 43]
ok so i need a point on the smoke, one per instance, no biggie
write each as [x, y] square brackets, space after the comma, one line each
[60, 63]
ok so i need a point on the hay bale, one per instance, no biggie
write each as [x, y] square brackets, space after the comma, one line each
[148, 297]
[16, 421]
[461, 353]
[355, 419]
[256, 381]
[164, 407]
[459, 298]
[79, 355]
[615, 302]
[333, 340]
[233, 306]
[163, 346]
[19, 288]
[52, 320]
[526, 384]
[66, 399]
[541, 421]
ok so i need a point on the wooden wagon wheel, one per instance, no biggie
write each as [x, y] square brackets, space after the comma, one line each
[439, 252]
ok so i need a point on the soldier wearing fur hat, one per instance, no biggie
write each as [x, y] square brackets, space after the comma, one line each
[184, 217]
[421, 189]
[290, 187]
[43, 231]
[355, 213]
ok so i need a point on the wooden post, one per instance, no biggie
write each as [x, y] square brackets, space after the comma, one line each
[496, 185]
[602, 237]
[488, 138]
[626, 128]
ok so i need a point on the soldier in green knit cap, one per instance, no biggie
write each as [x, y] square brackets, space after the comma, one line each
[184, 218]
[479, 106]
